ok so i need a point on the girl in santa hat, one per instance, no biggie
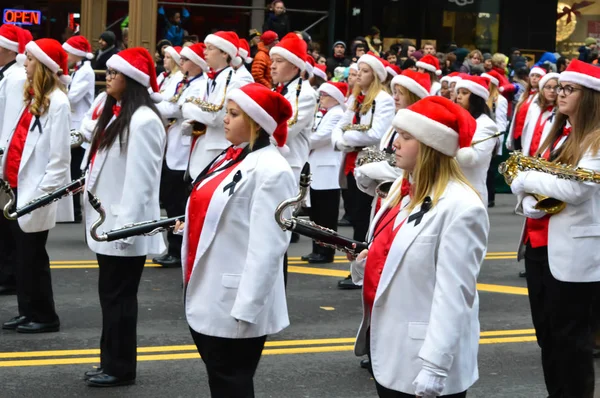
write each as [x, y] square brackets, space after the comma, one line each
[373, 110]
[472, 93]
[167, 81]
[234, 283]
[513, 141]
[561, 250]
[420, 322]
[36, 162]
[430, 65]
[126, 156]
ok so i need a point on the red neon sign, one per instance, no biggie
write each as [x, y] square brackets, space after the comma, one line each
[21, 17]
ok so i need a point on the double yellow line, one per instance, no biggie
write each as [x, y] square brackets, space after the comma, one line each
[180, 352]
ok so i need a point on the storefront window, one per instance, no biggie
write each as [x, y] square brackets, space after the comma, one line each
[576, 21]
[472, 24]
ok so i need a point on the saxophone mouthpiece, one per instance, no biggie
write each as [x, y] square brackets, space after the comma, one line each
[94, 201]
[305, 176]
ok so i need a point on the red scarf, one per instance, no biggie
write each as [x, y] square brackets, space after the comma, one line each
[539, 130]
[350, 163]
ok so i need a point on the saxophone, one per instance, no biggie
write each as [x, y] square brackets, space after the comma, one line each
[518, 162]
[294, 120]
[361, 127]
[372, 154]
[205, 106]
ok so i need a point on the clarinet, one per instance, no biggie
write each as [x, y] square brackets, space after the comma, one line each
[72, 188]
[323, 236]
[145, 228]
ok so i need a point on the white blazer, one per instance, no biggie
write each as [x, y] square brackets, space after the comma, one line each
[501, 118]
[178, 145]
[298, 139]
[530, 123]
[244, 76]
[167, 84]
[88, 124]
[11, 94]
[426, 307]
[435, 88]
[209, 145]
[324, 160]
[236, 276]
[476, 173]
[126, 180]
[511, 130]
[574, 233]
[81, 92]
[45, 163]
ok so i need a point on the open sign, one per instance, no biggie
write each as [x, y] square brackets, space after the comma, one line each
[21, 17]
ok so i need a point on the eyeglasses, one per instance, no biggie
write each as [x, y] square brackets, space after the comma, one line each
[552, 88]
[566, 90]
[111, 73]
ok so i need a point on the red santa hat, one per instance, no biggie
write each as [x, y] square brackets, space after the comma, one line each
[228, 42]
[376, 63]
[449, 78]
[415, 82]
[195, 53]
[79, 46]
[536, 70]
[440, 124]
[174, 53]
[584, 74]
[292, 49]
[493, 77]
[547, 78]
[310, 65]
[15, 39]
[244, 51]
[430, 64]
[337, 90]
[137, 64]
[267, 108]
[393, 70]
[50, 53]
[320, 70]
[477, 85]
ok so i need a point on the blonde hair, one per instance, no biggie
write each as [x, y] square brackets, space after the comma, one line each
[38, 91]
[494, 93]
[412, 97]
[541, 99]
[431, 176]
[373, 91]
[254, 128]
[498, 59]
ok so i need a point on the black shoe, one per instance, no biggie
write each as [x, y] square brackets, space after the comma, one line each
[523, 274]
[365, 363]
[320, 259]
[104, 380]
[168, 261]
[38, 327]
[15, 322]
[347, 284]
[92, 373]
[344, 222]
[295, 238]
[307, 257]
[491, 204]
[7, 290]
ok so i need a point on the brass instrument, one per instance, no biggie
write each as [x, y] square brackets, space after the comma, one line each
[294, 120]
[175, 98]
[323, 236]
[146, 228]
[315, 125]
[77, 138]
[207, 106]
[72, 188]
[361, 127]
[518, 162]
[383, 189]
[372, 154]
[487, 138]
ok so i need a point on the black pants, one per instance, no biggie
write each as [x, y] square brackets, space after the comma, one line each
[324, 210]
[384, 392]
[359, 204]
[230, 364]
[8, 254]
[490, 181]
[174, 193]
[118, 284]
[346, 208]
[563, 318]
[76, 159]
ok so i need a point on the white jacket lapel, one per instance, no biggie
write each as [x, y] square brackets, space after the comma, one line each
[35, 132]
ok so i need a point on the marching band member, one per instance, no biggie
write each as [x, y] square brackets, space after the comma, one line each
[420, 322]
[12, 81]
[325, 165]
[220, 55]
[513, 142]
[241, 72]
[561, 256]
[88, 125]
[36, 162]
[430, 65]
[167, 81]
[373, 110]
[472, 94]
[234, 283]
[288, 61]
[352, 77]
[81, 96]
[174, 189]
[125, 164]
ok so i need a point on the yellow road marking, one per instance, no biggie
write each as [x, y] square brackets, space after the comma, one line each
[507, 332]
[504, 340]
[484, 287]
[327, 308]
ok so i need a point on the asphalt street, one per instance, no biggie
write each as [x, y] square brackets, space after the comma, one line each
[311, 358]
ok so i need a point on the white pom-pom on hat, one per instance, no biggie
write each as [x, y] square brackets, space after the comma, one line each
[466, 156]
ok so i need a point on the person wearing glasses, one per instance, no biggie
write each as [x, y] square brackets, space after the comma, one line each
[173, 186]
[126, 159]
[563, 271]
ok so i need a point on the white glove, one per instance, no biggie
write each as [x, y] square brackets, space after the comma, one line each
[187, 127]
[122, 244]
[357, 270]
[428, 384]
[529, 209]
[342, 146]
[518, 185]
[510, 145]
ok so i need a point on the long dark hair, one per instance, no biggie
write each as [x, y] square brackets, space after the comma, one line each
[478, 107]
[134, 96]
